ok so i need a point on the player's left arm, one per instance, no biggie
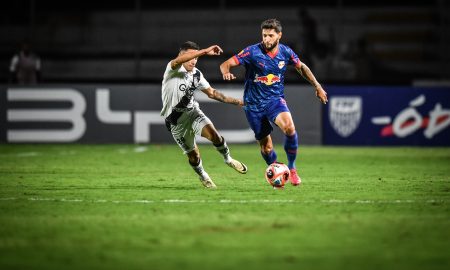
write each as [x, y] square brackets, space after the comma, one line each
[187, 56]
[309, 76]
[219, 96]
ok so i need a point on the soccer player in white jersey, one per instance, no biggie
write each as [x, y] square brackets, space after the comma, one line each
[184, 118]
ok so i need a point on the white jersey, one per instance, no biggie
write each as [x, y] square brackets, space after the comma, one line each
[178, 88]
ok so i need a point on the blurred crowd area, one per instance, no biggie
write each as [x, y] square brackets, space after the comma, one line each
[343, 41]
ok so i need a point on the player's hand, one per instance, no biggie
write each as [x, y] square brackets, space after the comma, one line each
[214, 50]
[321, 94]
[241, 103]
[228, 76]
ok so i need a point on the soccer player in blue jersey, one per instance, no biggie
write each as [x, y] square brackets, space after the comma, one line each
[265, 65]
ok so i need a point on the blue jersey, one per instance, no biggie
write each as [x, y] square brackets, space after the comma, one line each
[264, 77]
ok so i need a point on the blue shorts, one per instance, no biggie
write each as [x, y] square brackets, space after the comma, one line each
[260, 121]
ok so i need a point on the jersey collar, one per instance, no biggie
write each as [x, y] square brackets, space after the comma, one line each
[270, 54]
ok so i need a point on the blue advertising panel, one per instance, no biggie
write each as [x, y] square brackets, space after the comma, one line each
[358, 115]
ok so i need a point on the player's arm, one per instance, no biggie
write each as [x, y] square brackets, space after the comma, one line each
[309, 76]
[225, 69]
[219, 96]
[187, 56]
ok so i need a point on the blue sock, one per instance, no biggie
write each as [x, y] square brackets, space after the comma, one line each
[270, 158]
[290, 146]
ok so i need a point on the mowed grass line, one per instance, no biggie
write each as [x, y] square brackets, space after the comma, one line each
[136, 207]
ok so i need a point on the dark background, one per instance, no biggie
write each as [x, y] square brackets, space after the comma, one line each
[344, 42]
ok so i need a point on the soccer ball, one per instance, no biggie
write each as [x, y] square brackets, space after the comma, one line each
[277, 174]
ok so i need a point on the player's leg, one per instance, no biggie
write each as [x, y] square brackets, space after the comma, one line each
[202, 125]
[196, 163]
[279, 114]
[262, 128]
[267, 151]
[209, 132]
[184, 136]
[286, 124]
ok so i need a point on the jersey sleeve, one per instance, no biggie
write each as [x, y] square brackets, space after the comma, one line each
[293, 58]
[243, 57]
[169, 72]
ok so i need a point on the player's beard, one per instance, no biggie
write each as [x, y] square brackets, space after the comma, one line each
[270, 47]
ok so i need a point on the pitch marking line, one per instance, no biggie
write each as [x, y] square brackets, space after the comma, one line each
[136, 150]
[181, 201]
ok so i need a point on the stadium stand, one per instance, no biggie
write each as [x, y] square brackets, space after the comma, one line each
[121, 44]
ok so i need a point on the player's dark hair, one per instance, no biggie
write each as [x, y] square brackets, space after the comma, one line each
[272, 24]
[189, 45]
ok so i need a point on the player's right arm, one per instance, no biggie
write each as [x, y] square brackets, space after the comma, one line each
[191, 54]
[225, 68]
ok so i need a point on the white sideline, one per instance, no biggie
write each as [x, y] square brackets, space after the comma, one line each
[181, 201]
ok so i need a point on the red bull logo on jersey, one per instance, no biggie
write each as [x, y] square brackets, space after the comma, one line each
[267, 80]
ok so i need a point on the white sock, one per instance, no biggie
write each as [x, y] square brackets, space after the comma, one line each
[199, 170]
[224, 150]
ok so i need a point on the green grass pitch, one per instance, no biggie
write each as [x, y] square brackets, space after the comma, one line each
[142, 207]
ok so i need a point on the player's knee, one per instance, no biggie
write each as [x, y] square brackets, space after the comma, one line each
[289, 130]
